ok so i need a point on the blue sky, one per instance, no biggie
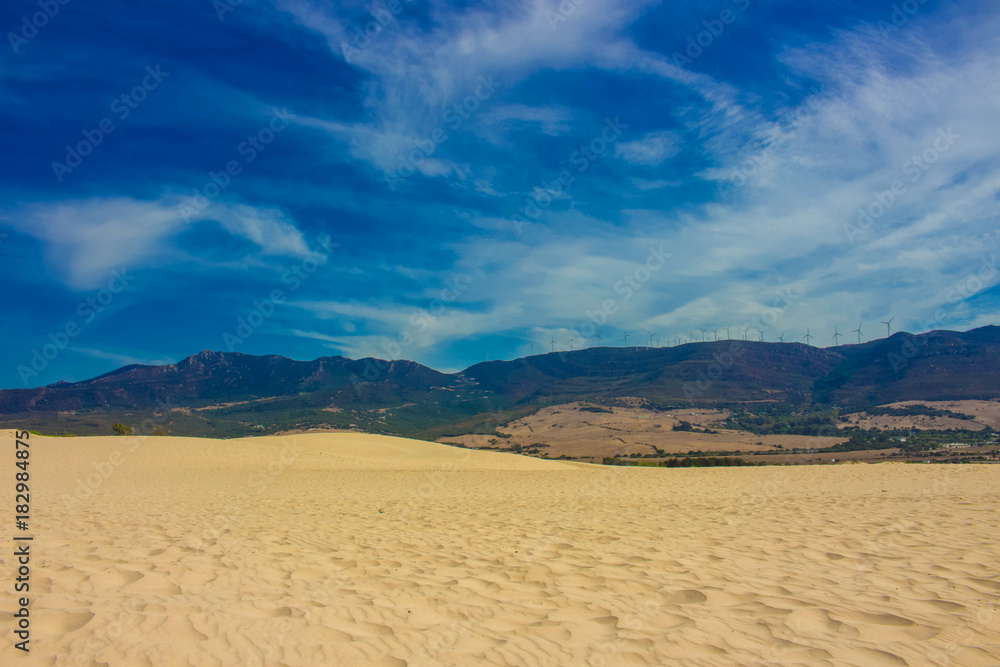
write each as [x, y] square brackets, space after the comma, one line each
[429, 180]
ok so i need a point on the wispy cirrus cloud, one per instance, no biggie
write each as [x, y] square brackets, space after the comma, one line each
[651, 150]
[86, 238]
[747, 165]
[123, 359]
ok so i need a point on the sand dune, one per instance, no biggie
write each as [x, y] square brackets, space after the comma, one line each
[338, 549]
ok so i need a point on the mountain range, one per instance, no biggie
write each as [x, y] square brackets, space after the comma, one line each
[229, 394]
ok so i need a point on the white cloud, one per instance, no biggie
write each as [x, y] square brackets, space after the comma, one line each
[651, 150]
[270, 229]
[122, 359]
[553, 121]
[403, 331]
[783, 231]
[798, 176]
[645, 184]
[417, 76]
[86, 239]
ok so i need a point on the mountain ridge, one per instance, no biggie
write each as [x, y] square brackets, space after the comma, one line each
[405, 397]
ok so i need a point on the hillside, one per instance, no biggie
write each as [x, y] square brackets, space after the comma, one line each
[229, 394]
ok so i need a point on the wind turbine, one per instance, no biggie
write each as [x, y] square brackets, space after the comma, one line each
[781, 338]
[571, 339]
[650, 337]
[703, 335]
[745, 332]
[599, 337]
[762, 335]
[808, 337]
[508, 354]
[532, 344]
[888, 327]
[727, 332]
[553, 346]
[836, 335]
[677, 340]
[716, 332]
[858, 331]
[625, 340]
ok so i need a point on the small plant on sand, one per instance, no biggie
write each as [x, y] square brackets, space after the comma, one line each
[121, 429]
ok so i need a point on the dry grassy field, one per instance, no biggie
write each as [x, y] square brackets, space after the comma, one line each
[986, 413]
[574, 430]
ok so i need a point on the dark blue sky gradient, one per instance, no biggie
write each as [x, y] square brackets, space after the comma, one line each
[672, 177]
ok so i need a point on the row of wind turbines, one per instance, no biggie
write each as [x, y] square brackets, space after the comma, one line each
[693, 338]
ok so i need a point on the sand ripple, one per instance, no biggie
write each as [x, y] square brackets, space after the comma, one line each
[346, 550]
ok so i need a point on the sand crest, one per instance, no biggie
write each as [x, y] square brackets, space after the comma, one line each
[341, 549]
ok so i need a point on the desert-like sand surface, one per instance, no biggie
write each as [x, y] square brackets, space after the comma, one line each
[343, 549]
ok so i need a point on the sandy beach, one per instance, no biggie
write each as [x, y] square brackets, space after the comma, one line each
[343, 549]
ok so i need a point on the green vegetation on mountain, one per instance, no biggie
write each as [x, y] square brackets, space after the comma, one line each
[686, 462]
[916, 410]
[772, 388]
[781, 419]
[911, 440]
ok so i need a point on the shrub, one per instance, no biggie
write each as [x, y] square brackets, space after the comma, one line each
[590, 408]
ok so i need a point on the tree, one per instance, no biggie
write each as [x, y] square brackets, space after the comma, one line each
[121, 429]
